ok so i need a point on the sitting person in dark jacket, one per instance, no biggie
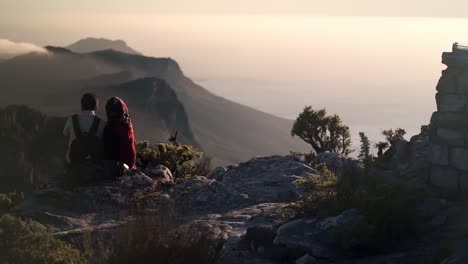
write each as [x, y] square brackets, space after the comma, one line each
[118, 137]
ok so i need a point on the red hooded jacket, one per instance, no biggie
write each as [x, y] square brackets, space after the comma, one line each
[119, 138]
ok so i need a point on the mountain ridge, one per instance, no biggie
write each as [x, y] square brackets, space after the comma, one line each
[229, 131]
[92, 44]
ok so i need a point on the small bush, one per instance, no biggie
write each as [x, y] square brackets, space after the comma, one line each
[389, 209]
[30, 242]
[184, 161]
[327, 193]
[151, 240]
[322, 198]
[9, 200]
[392, 208]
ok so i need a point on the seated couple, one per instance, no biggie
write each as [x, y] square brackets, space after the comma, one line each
[98, 149]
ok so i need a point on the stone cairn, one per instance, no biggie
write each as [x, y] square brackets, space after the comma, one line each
[449, 125]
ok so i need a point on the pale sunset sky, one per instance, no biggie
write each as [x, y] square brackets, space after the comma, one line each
[375, 63]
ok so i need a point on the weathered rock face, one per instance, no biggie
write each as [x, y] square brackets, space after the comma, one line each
[86, 208]
[273, 181]
[160, 173]
[339, 164]
[225, 205]
[318, 237]
[449, 125]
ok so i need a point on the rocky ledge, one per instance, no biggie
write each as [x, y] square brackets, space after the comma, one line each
[241, 210]
[225, 204]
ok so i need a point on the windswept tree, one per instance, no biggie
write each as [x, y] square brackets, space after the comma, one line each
[322, 132]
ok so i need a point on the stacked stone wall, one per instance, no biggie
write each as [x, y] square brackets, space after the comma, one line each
[449, 124]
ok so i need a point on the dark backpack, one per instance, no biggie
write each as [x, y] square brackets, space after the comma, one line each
[86, 147]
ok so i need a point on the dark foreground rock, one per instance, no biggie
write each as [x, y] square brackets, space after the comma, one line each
[238, 214]
[221, 207]
[339, 164]
[318, 237]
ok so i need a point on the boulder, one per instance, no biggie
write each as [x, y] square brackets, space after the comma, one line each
[320, 237]
[137, 182]
[161, 173]
[217, 172]
[200, 195]
[339, 164]
[266, 179]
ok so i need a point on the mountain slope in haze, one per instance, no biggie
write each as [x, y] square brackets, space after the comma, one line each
[154, 107]
[96, 44]
[228, 131]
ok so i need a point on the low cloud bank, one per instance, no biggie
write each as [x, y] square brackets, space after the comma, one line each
[10, 48]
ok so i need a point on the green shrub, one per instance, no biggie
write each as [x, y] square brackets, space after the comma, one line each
[390, 209]
[8, 200]
[5, 203]
[30, 242]
[327, 193]
[184, 161]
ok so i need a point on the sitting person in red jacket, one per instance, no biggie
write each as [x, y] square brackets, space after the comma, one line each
[118, 137]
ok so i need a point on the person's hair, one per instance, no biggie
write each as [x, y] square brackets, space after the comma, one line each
[89, 102]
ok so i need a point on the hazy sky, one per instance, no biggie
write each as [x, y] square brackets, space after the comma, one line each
[376, 68]
[446, 8]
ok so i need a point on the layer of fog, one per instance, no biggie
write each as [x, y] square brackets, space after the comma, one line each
[9, 49]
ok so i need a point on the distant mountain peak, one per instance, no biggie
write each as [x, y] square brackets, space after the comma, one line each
[90, 44]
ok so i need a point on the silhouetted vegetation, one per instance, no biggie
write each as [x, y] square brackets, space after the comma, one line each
[322, 132]
[364, 154]
[391, 136]
[389, 209]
